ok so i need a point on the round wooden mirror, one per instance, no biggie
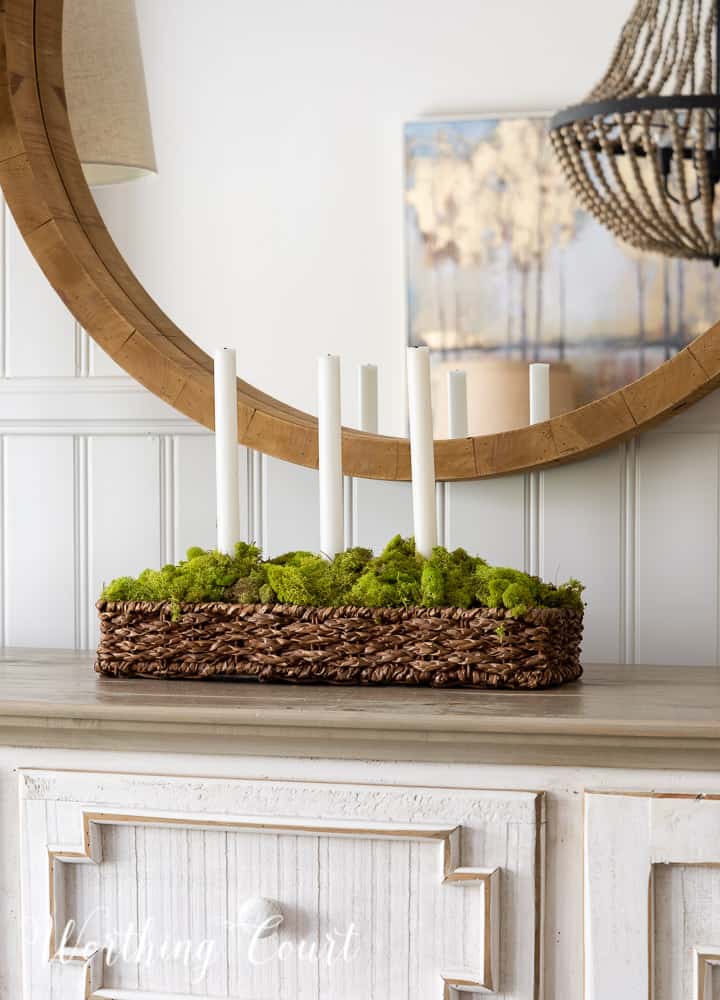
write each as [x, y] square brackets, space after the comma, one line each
[46, 190]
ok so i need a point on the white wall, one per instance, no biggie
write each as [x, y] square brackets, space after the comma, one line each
[97, 478]
[276, 221]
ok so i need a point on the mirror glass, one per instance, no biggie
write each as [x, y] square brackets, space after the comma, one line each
[296, 200]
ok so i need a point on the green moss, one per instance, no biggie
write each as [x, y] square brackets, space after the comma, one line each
[267, 594]
[302, 578]
[247, 589]
[121, 589]
[567, 595]
[398, 577]
[293, 558]
[345, 570]
[392, 579]
[448, 579]
[501, 587]
[203, 576]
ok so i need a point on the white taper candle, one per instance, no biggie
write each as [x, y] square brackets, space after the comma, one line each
[422, 458]
[368, 388]
[332, 522]
[457, 404]
[226, 451]
[539, 393]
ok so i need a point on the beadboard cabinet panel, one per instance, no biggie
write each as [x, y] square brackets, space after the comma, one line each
[652, 909]
[677, 548]
[40, 334]
[39, 540]
[686, 930]
[384, 891]
[583, 535]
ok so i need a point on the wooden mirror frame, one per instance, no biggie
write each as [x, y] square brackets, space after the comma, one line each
[52, 205]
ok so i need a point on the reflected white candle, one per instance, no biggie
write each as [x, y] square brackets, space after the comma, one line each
[332, 528]
[422, 456]
[539, 393]
[368, 388]
[226, 451]
[457, 404]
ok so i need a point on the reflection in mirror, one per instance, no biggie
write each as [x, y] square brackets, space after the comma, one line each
[285, 161]
[505, 267]
[105, 90]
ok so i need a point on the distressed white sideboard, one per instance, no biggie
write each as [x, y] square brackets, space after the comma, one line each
[403, 844]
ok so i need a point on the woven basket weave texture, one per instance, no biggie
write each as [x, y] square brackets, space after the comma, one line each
[440, 647]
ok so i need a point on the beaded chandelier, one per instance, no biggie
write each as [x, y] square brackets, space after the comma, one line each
[642, 152]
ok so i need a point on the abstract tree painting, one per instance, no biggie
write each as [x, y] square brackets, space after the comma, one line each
[503, 262]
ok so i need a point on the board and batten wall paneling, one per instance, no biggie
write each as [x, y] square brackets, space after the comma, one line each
[677, 548]
[99, 478]
[290, 503]
[489, 521]
[582, 531]
[99, 363]
[125, 485]
[193, 500]
[39, 591]
[380, 510]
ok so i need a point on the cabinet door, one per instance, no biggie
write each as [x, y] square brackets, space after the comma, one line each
[140, 887]
[652, 897]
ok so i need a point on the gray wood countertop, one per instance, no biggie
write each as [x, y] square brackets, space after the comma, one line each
[615, 716]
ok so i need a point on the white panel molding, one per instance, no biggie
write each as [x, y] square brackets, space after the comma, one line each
[82, 395]
[706, 960]
[290, 507]
[108, 405]
[100, 364]
[628, 551]
[4, 216]
[39, 543]
[112, 408]
[533, 519]
[381, 510]
[81, 491]
[451, 879]
[82, 351]
[530, 515]
[620, 895]
[677, 538]
[580, 536]
[489, 519]
[166, 454]
[348, 503]
[440, 512]
[485, 943]
[256, 498]
[3, 537]
[194, 492]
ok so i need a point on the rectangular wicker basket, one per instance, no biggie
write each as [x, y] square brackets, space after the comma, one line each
[440, 647]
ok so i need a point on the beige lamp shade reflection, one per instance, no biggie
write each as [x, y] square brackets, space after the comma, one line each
[105, 89]
[498, 394]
